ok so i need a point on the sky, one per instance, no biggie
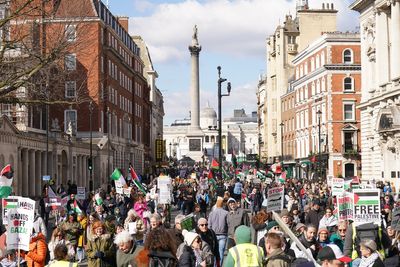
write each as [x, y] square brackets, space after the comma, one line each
[232, 34]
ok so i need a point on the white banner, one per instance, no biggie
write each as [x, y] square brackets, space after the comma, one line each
[163, 181]
[367, 208]
[20, 224]
[337, 186]
[164, 195]
[275, 199]
[118, 187]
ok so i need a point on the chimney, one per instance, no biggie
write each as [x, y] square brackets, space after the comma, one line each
[124, 21]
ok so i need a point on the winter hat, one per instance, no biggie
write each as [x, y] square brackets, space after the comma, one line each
[368, 243]
[323, 229]
[243, 234]
[271, 224]
[189, 237]
[298, 226]
[231, 200]
[332, 252]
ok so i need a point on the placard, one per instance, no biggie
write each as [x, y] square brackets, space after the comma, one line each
[345, 206]
[81, 193]
[337, 186]
[132, 229]
[7, 204]
[367, 208]
[164, 196]
[118, 187]
[188, 223]
[20, 224]
[275, 199]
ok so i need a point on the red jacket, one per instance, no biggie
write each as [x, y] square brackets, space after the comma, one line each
[36, 256]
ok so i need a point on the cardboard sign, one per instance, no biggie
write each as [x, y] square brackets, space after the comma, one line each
[396, 218]
[81, 193]
[346, 206]
[337, 186]
[275, 199]
[8, 203]
[20, 224]
[367, 208]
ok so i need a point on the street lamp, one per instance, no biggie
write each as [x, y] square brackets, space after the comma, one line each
[220, 95]
[90, 165]
[281, 125]
[170, 151]
[319, 114]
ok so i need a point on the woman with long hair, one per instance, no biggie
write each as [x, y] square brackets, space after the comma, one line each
[161, 247]
[100, 248]
[58, 237]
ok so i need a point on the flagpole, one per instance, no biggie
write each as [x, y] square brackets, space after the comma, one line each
[19, 256]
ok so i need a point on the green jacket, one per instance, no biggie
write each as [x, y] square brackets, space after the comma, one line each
[104, 244]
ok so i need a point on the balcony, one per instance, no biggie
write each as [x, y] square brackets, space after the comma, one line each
[350, 151]
[292, 48]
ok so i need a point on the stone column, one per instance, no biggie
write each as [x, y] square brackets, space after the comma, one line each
[395, 40]
[32, 173]
[38, 171]
[195, 49]
[382, 48]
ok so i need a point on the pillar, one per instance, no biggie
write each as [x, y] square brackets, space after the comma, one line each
[32, 173]
[195, 49]
[382, 48]
[38, 171]
[395, 39]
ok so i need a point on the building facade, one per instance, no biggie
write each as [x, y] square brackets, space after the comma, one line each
[380, 102]
[101, 77]
[323, 99]
[282, 46]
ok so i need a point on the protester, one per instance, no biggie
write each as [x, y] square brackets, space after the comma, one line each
[308, 239]
[58, 238]
[176, 232]
[161, 246]
[369, 255]
[100, 249]
[39, 224]
[37, 250]
[208, 236]
[217, 221]
[339, 236]
[61, 257]
[236, 216]
[328, 221]
[276, 257]
[332, 256]
[128, 253]
[135, 225]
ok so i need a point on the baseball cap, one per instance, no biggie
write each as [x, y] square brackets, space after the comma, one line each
[332, 252]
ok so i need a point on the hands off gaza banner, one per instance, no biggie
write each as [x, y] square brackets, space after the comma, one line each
[20, 224]
[367, 208]
[275, 199]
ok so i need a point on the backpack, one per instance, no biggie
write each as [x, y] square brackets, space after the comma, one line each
[161, 259]
[290, 260]
[367, 231]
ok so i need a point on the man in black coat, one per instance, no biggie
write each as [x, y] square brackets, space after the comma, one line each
[315, 214]
[209, 236]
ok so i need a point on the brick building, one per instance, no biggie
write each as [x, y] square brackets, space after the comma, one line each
[97, 76]
[327, 88]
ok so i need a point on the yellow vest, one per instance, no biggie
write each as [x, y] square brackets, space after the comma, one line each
[62, 264]
[247, 255]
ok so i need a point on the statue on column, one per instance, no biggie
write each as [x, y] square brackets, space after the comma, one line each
[195, 41]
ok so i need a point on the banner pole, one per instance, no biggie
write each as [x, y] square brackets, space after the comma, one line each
[19, 256]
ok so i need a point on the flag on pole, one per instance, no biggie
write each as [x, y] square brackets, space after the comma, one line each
[6, 179]
[99, 199]
[50, 192]
[133, 173]
[76, 208]
[214, 164]
[117, 176]
[224, 174]
[139, 186]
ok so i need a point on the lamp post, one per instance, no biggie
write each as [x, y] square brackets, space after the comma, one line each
[170, 151]
[220, 95]
[90, 165]
[319, 114]
[281, 125]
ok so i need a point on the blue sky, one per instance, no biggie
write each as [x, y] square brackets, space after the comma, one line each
[232, 34]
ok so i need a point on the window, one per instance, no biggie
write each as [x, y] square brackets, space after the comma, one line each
[70, 33]
[70, 62]
[348, 109]
[348, 84]
[347, 56]
[70, 89]
[70, 118]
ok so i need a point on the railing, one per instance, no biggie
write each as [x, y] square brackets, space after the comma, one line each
[350, 150]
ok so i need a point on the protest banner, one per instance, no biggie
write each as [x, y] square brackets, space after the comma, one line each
[188, 223]
[337, 186]
[127, 191]
[367, 207]
[275, 199]
[396, 218]
[329, 179]
[20, 224]
[118, 187]
[81, 193]
[164, 195]
[8, 203]
[55, 203]
[346, 206]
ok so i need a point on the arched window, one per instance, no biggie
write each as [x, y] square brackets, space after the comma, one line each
[348, 84]
[347, 56]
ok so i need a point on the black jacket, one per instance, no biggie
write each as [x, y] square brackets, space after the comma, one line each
[187, 259]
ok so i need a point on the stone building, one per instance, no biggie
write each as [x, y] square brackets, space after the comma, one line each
[320, 120]
[103, 74]
[282, 46]
[380, 101]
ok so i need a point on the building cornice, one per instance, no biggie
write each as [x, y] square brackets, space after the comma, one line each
[360, 5]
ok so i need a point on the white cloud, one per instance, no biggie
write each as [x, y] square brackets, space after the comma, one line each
[235, 27]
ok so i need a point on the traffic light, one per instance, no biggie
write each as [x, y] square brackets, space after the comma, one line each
[90, 164]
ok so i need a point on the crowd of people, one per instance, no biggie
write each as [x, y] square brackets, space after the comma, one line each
[229, 225]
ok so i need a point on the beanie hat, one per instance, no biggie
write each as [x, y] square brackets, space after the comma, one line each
[189, 237]
[243, 234]
[271, 224]
[323, 229]
[231, 200]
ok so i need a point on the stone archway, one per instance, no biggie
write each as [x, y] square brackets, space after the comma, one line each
[64, 167]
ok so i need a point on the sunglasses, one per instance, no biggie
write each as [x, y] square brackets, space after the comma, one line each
[205, 224]
[342, 230]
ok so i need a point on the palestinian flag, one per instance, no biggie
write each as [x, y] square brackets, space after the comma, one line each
[10, 203]
[117, 176]
[210, 175]
[6, 178]
[99, 199]
[134, 176]
[139, 186]
[366, 198]
[214, 164]
[224, 174]
[76, 207]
